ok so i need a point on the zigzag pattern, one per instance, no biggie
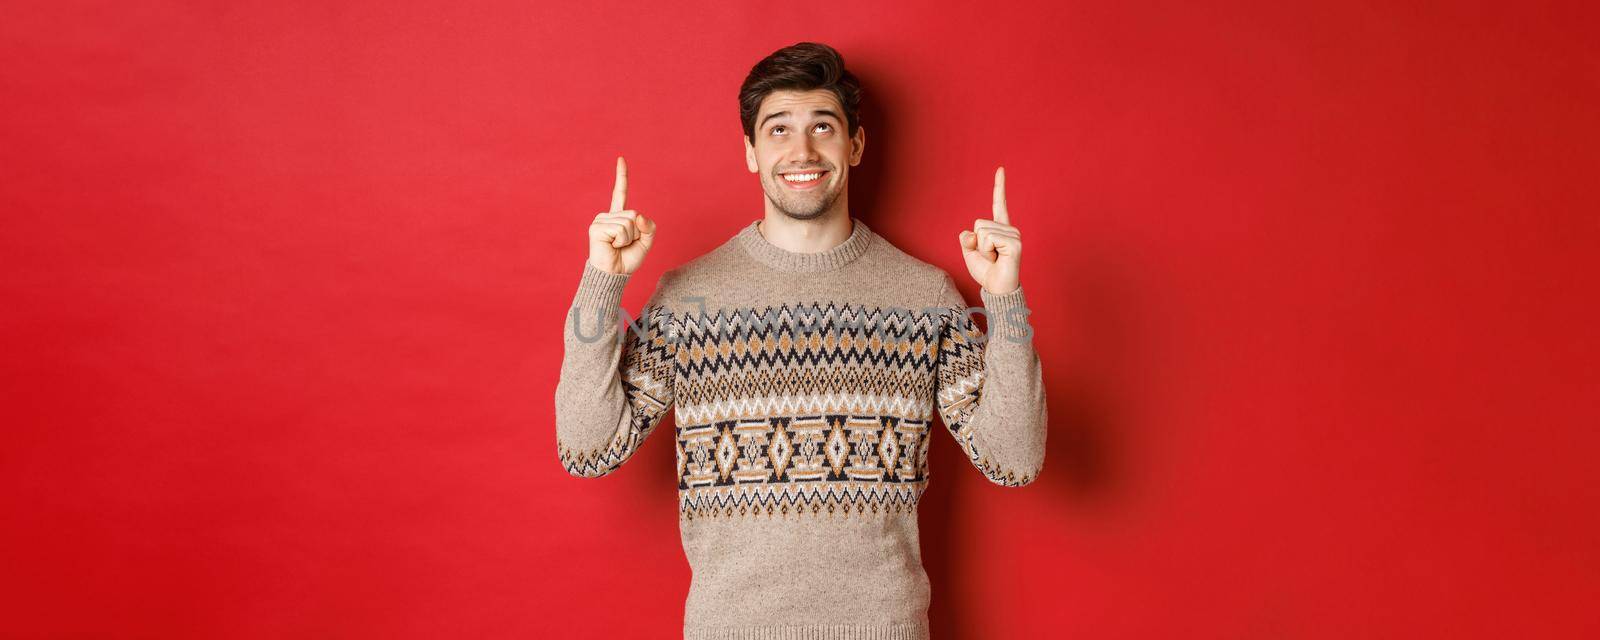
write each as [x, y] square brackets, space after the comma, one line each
[817, 498]
[839, 389]
[809, 335]
[817, 403]
[832, 351]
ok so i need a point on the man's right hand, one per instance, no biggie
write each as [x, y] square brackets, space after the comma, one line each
[619, 238]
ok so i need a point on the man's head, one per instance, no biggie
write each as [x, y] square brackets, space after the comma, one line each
[799, 109]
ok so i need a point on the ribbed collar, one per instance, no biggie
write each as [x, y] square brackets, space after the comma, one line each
[782, 259]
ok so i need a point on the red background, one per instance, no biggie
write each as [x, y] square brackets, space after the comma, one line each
[283, 286]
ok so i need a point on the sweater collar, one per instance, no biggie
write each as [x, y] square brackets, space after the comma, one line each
[782, 259]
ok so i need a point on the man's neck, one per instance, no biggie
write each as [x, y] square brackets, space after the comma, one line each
[806, 236]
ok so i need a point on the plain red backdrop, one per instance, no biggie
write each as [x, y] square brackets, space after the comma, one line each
[283, 285]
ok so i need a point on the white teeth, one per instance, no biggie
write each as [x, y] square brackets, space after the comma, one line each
[801, 177]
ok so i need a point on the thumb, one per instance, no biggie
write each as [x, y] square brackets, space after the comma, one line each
[647, 229]
[969, 241]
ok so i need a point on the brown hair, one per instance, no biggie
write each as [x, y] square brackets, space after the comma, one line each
[802, 66]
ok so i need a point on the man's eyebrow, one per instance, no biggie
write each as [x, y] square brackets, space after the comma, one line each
[815, 112]
[826, 112]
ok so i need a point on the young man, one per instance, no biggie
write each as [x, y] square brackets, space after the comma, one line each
[806, 357]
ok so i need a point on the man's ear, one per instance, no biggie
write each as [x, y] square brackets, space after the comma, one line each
[858, 144]
[750, 156]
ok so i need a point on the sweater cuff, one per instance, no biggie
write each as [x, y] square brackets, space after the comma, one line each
[1004, 323]
[599, 289]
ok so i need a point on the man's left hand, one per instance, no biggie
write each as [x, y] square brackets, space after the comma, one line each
[993, 248]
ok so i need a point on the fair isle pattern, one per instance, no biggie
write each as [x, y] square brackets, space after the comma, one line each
[824, 464]
[794, 365]
[647, 372]
[820, 408]
[838, 356]
[961, 371]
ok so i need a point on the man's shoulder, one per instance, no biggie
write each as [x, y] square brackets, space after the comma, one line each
[926, 278]
[700, 271]
[716, 260]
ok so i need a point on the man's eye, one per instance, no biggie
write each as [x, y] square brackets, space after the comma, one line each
[775, 129]
[824, 124]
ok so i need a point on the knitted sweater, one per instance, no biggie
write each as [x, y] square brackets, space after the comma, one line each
[805, 387]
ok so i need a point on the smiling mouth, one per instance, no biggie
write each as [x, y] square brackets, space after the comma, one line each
[803, 179]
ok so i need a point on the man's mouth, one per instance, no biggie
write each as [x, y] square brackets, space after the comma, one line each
[802, 180]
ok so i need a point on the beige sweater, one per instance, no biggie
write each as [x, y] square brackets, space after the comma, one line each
[805, 387]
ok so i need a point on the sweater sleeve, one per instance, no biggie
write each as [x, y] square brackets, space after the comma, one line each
[615, 384]
[991, 389]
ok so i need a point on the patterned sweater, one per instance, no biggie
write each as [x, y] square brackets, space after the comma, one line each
[805, 387]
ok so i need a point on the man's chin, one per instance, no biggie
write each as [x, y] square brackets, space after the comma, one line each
[797, 214]
[794, 213]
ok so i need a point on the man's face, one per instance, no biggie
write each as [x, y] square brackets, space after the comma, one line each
[800, 133]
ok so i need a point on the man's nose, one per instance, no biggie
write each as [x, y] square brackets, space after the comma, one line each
[808, 152]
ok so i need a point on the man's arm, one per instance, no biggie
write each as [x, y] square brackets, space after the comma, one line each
[990, 393]
[612, 392]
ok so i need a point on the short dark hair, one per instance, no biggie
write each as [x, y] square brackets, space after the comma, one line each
[802, 66]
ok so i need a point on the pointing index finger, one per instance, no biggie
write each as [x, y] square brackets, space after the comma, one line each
[1001, 215]
[619, 193]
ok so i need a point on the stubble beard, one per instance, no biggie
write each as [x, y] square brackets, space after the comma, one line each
[799, 205]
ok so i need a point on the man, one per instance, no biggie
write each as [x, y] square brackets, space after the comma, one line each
[806, 357]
